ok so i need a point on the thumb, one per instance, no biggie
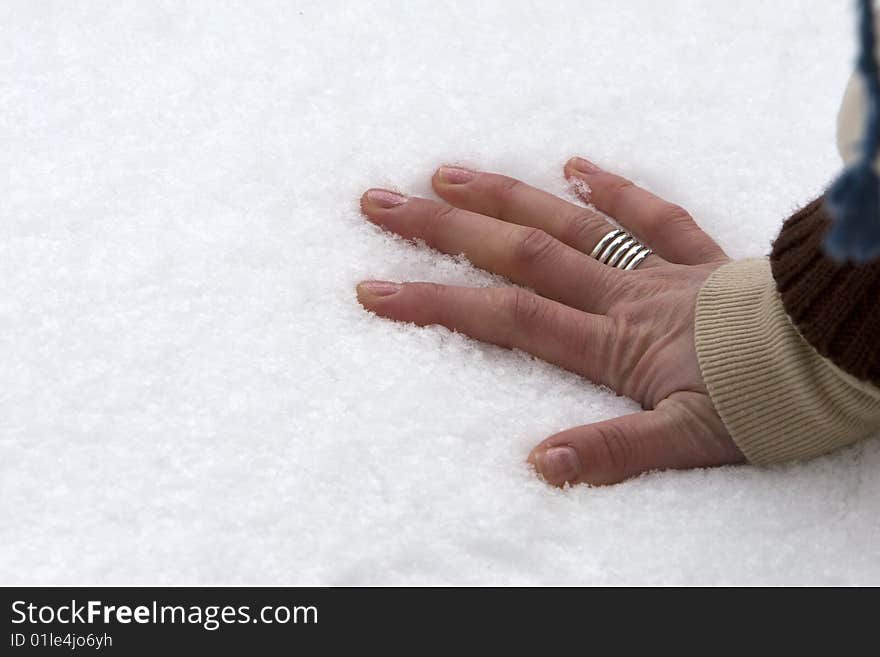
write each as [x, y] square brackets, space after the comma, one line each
[683, 431]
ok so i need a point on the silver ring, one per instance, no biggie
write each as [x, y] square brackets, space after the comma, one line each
[617, 248]
[604, 242]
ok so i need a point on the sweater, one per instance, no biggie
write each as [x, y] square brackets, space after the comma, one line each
[788, 346]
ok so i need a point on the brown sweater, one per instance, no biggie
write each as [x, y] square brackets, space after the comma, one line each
[833, 306]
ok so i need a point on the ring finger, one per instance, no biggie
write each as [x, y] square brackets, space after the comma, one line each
[516, 202]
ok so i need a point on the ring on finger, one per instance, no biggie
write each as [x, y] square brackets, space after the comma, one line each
[618, 248]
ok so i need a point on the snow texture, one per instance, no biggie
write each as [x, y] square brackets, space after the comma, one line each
[189, 392]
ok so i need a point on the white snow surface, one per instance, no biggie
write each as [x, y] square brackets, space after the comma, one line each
[189, 392]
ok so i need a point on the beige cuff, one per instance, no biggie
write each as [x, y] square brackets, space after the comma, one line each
[778, 398]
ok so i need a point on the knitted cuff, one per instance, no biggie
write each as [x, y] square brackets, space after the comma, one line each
[833, 306]
[778, 398]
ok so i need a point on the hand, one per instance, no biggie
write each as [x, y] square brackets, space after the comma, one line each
[632, 331]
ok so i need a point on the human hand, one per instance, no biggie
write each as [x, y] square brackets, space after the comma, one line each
[632, 331]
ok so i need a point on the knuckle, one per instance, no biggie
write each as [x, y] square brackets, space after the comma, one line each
[615, 449]
[432, 299]
[627, 314]
[506, 190]
[666, 217]
[618, 185]
[675, 215]
[602, 344]
[523, 308]
[612, 288]
[531, 246]
[431, 291]
[442, 213]
[437, 217]
[615, 190]
[675, 218]
[581, 230]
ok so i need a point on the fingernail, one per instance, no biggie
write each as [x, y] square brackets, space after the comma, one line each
[385, 199]
[558, 465]
[581, 165]
[379, 288]
[456, 175]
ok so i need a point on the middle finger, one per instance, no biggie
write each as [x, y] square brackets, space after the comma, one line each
[526, 255]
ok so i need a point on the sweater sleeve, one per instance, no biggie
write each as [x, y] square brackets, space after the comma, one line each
[790, 349]
[778, 397]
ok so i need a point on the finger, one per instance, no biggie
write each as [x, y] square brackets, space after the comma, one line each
[525, 255]
[665, 227]
[508, 316]
[513, 201]
[675, 435]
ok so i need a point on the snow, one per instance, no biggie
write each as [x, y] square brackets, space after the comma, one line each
[189, 392]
